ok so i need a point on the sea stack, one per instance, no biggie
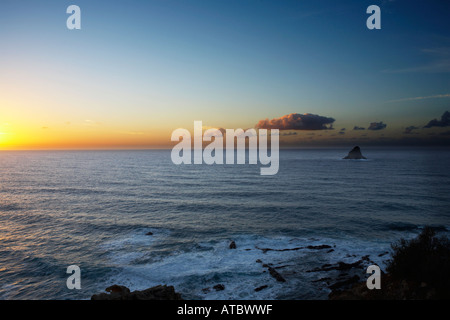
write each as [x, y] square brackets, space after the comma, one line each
[355, 154]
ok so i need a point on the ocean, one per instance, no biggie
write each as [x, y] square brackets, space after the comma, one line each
[94, 209]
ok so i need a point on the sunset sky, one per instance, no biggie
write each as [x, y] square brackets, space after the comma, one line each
[137, 70]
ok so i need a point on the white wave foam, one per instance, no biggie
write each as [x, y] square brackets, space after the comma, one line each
[129, 248]
[197, 267]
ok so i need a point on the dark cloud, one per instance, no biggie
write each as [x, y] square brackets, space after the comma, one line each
[444, 122]
[377, 126]
[358, 128]
[296, 121]
[408, 130]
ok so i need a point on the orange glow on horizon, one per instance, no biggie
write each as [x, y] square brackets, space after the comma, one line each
[81, 138]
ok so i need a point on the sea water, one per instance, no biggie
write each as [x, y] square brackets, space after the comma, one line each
[94, 209]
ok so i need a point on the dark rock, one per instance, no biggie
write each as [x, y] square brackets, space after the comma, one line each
[355, 153]
[340, 266]
[275, 274]
[261, 288]
[391, 289]
[116, 292]
[322, 246]
[258, 261]
[117, 289]
[219, 287]
[232, 245]
[322, 279]
[344, 283]
[319, 247]
[149, 233]
[347, 266]
[206, 290]
[264, 250]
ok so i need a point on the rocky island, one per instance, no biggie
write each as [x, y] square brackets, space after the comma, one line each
[355, 153]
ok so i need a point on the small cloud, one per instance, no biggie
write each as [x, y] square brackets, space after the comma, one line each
[44, 128]
[296, 121]
[377, 126]
[408, 130]
[444, 122]
[358, 128]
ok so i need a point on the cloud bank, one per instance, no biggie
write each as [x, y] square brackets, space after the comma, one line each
[296, 121]
[408, 130]
[444, 122]
[377, 126]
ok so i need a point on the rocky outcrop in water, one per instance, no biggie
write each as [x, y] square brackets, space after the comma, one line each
[116, 292]
[355, 153]
[274, 273]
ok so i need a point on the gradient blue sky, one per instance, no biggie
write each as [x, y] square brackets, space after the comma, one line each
[139, 69]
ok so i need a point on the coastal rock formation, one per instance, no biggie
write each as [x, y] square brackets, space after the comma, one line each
[261, 288]
[355, 153]
[319, 247]
[274, 273]
[219, 287]
[391, 289]
[116, 292]
[418, 270]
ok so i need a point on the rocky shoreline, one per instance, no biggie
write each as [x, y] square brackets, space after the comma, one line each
[417, 270]
[391, 289]
[117, 292]
[336, 277]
